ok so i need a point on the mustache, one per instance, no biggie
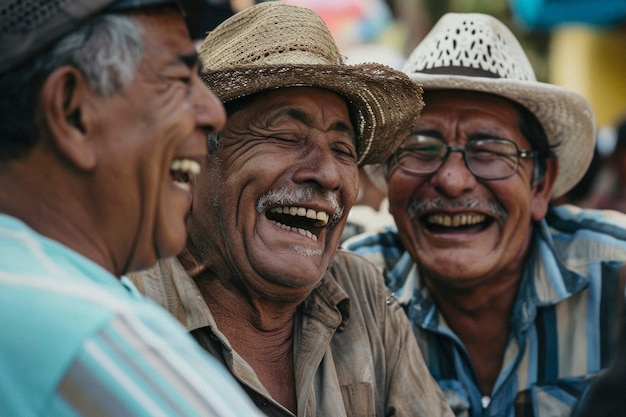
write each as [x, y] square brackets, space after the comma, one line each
[295, 196]
[418, 208]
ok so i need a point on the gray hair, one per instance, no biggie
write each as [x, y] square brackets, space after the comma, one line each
[106, 49]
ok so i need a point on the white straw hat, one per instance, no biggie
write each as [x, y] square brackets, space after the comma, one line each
[477, 52]
[274, 45]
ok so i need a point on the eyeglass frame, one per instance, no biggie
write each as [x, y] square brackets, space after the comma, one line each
[520, 153]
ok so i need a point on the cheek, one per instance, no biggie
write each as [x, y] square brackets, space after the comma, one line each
[400, 191]
[208, 191]
[517, 201]
[351, 185]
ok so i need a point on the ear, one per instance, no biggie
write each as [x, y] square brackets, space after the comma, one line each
[543, 189]
[63, 98]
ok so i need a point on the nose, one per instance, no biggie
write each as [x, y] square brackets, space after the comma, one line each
[209, 110]
[319, 165]
[453, 178]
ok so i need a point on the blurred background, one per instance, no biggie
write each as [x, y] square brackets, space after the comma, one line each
[578, 44]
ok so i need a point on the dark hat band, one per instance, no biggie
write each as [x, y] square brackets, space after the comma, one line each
[458, 70]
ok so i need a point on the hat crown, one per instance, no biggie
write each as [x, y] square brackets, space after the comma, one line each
[273, 45]
[271, 33]
[471, 44]
[27, 27]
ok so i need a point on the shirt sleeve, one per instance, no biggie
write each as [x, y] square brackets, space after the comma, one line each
[130, 369]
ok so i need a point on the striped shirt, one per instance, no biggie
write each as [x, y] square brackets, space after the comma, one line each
[564, 319]
[77, 341]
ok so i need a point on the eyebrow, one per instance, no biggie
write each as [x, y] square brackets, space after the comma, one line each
[303, 117]
[190, 60]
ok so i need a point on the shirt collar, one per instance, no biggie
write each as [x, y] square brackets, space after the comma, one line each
[328, 302]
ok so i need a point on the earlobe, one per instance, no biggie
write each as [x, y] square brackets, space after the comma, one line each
[63, 98]
[543, 189]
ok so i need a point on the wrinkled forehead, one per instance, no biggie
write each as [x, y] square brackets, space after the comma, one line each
[513, 114]
[468, 108]
[285, 95]
[301, 103]
[461, 97]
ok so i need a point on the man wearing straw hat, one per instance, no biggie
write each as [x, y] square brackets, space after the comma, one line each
[103, 120]
[513, 300]
[306, 330]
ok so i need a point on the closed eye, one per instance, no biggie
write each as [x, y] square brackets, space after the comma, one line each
[290, 139]
[345, 150]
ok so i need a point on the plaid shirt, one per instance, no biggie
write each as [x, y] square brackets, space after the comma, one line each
[564, 319]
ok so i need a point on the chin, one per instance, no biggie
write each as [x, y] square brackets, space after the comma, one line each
[141, 264]
[297, 283]
[170, 242]
[171, 249]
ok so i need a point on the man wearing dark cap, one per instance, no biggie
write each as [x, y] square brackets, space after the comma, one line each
[102, 124]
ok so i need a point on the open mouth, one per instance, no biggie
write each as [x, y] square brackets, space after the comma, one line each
[305, 221]
[438, 222]
[181, 170]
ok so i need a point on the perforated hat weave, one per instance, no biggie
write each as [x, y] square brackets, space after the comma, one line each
[274, 45]
[476, 52]
[27, 27]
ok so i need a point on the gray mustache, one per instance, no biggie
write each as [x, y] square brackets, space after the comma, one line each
[296, 196]
[418, 208]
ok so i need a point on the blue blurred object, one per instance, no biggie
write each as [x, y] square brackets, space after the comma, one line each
[546, 14]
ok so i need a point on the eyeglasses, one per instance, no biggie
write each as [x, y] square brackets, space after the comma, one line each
[488, 159]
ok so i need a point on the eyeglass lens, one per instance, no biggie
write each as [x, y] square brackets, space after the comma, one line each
[485, 158]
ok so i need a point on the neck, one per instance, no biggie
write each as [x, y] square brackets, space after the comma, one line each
[479, 314]
[260, 330]
[53, 208]
[231, 298]
[478, 301]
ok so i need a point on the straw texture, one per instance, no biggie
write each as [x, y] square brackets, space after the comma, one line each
[476, 52]
[274, 45]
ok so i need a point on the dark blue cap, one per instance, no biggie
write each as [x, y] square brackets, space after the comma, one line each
[122, 5]
[29, 26]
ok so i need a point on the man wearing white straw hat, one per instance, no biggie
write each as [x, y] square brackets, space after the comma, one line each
[307, 330]
[513, 300]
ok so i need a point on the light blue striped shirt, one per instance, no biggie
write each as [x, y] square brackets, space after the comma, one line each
[563, 325]
[76, 341]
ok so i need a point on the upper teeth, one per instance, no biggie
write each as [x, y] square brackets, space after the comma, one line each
[457, 220]
[187, 166]
[320, 216]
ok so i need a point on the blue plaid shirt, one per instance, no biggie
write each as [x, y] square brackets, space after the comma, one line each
[564, 319]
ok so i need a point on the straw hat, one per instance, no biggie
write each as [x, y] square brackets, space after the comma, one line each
[273, 45]
[476, 52]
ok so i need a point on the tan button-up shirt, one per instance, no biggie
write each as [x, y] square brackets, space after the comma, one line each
[355, 353]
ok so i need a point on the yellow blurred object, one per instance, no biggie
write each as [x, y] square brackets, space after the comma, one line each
[592, 61]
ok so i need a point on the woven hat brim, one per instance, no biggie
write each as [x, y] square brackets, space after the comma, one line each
[566, 117]
[386, 102]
